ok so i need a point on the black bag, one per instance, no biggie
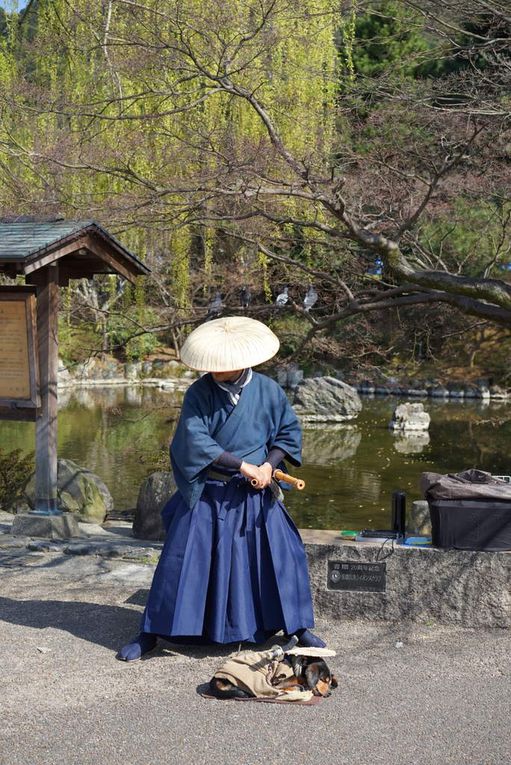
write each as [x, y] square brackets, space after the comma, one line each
[469, 511]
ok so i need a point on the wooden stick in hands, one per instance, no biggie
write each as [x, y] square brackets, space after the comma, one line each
[298, 483]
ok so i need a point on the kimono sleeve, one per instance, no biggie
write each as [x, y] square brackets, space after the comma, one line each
[192, 448]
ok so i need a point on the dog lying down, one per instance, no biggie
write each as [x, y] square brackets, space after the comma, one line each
[280, 674]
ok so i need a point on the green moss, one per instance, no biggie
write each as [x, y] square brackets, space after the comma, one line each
[15, 471]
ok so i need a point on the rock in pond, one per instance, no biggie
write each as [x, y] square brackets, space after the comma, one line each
[326, 399]
[154, 493]
[79, 491]
[439, 392]
[499, 393]
[409, 417]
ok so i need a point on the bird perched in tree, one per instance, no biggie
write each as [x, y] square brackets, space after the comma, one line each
[215, 307]
[310, 298]
[245, 297]
[282, 298]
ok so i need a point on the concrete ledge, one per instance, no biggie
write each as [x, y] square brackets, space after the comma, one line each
[48, 526]
[470, 589]
[423, 585]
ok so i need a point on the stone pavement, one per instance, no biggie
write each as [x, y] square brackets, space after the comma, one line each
[408, 694]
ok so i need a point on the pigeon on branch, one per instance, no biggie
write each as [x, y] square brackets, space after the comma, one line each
[282, 298]
[310, 298]
[215, 307]
[245, 297]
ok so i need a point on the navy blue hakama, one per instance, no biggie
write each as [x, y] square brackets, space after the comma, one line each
[233, 568]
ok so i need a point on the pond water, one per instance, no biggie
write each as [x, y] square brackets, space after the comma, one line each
[122, 434]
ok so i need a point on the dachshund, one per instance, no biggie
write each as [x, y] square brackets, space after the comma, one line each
[309, 673]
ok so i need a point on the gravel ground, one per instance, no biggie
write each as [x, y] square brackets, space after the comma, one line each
[407, 694]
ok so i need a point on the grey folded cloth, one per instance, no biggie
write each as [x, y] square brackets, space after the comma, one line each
[469, 484]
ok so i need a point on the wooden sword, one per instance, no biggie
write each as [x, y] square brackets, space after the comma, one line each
[278, 475]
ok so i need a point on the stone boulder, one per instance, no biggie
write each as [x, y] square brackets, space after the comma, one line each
[439, 391]
[95, 368]
[499, 393]
[289, 376]
[133, 370]
[63, 374]
[416, 392]
[154, 493]
[79, 491]
[409, 417]
[326, 399]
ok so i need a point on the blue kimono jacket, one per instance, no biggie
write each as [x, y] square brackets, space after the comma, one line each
[210, 425]
[233, 566]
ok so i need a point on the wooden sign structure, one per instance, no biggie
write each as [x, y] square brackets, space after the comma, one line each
[19, 368]
[48, 253]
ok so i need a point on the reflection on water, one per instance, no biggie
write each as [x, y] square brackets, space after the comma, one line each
[350, 471]
[412, 442]
[327, 446]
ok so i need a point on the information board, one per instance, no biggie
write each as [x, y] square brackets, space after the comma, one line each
[19, 397]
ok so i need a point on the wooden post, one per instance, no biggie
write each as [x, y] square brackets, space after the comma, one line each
[47, 280]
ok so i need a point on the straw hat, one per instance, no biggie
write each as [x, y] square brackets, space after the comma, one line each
[233, 342]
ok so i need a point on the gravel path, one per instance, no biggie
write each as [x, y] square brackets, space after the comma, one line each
[407, 694]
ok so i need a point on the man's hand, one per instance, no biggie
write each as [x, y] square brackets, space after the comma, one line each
[267, 470]
[261, 474]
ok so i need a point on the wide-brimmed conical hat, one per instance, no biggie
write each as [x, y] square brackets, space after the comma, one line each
[233, 342]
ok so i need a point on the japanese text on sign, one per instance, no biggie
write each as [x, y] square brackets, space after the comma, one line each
[350, 575]
[14, 359]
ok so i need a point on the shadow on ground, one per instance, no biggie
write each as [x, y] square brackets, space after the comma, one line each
[101, 624]
[105, 625]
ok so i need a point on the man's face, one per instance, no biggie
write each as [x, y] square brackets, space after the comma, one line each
[227, 376]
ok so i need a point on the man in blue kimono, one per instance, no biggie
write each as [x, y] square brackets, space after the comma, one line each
[233, 567]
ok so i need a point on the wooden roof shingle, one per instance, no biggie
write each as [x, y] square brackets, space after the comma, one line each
[27, 245]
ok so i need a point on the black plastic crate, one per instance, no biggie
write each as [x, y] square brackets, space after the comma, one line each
[467, 524]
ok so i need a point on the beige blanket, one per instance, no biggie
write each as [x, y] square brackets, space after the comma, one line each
[256, 671]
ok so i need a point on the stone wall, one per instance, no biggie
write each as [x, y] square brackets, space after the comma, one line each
[436, 390]
[470, 589]
[105, 370]
[429, 586]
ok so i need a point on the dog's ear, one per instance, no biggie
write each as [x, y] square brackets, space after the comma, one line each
[313, 674]
[333, 681]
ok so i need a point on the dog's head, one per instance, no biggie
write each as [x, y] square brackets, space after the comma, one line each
[314, 674]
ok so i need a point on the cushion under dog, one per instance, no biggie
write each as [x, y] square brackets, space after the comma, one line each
[255, 671]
